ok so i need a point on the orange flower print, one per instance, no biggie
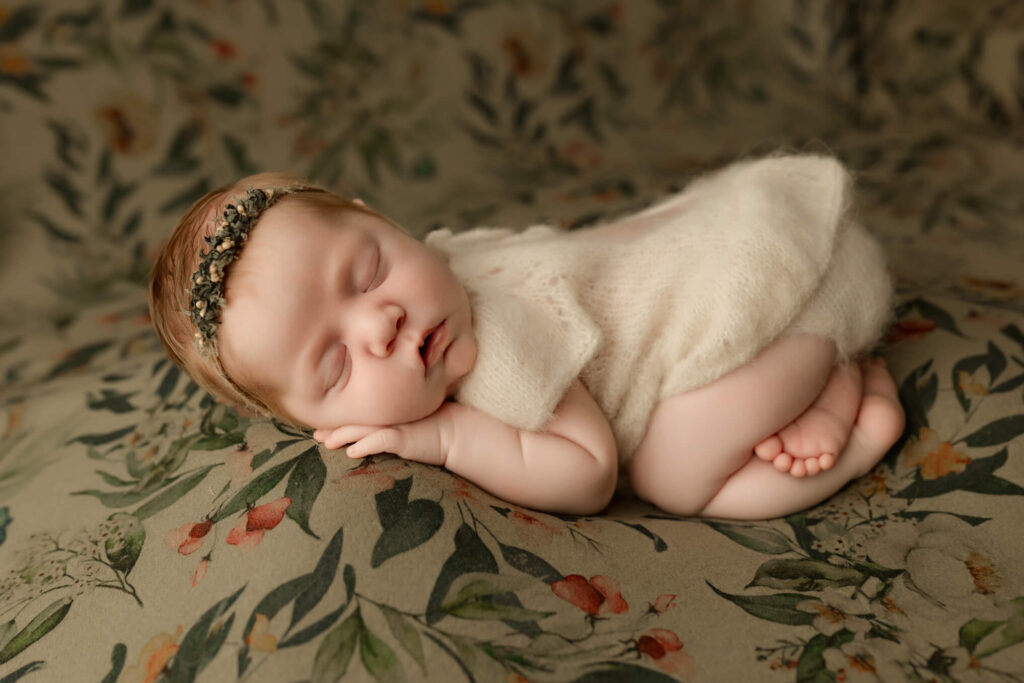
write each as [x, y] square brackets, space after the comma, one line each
[260, 638]
[249, 531]
[663, 603]
[200, 571]
[910, 329]
[665, 648]
[250, 81]
[438, 7]
[153, 658]
[224, 49]
[581, 154]
[129, 123]
[373, 476]
[188, 538]
[596, 596]
[966, 383]
[531, 528]
[934, 458]
[14, 63]
[986, 577]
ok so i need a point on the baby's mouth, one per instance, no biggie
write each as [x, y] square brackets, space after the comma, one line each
[433, 345]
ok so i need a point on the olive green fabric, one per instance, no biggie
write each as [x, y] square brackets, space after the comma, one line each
[147, 532]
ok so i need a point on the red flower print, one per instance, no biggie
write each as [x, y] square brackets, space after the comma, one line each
[249, 532]
[598, 595]
[188, 538]
[910, 329]
[665, 648]
[663, 603]
[373, 476]
[267, 516]
[224, 49]
[200, 571]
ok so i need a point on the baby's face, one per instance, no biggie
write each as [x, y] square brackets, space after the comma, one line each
[345, 319]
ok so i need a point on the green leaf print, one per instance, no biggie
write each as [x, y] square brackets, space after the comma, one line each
[917, 394]
[335, 651]
[986, 638]
[22, 672]
[805, 575]
[780, 608]
[255, 490]
[475, 598]
[78, 358]
[321, 579]
[470, 555]
[406, 635]
[203, 641]
[378, 658]
[41, 624]
[104, 438]
[529, 563]
[811, 666]
[117, 659]
[304, 486]
[125, 541]
[407, 524]
[997, 432]
[978, 476]
[760, 538]
[614, 672]
[20, 21]
[172, 494]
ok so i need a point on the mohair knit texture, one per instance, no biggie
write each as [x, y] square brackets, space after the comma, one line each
[699, 284]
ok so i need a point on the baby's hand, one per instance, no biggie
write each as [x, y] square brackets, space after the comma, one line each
[425, 440]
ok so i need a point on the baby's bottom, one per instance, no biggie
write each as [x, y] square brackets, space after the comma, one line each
[697, 456]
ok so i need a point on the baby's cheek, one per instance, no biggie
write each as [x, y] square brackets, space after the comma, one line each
[461, 358]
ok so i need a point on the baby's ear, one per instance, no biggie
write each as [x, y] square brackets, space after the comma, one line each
[359, 202]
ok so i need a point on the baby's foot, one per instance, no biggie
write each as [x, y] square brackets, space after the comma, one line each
[880, 417]
[810, 443]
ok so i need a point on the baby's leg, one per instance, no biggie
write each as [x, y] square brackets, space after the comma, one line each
[760, 491]
[696, 441]
[811, 442]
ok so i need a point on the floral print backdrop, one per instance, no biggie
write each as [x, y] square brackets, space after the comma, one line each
[147, 533]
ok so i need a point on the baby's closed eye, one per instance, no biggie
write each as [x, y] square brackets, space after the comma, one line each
[370, 271]
[335, 365]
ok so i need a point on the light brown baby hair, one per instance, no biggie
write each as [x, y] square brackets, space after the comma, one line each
[170, 283]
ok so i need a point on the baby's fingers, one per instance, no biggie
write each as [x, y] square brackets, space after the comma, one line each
[380, 441]
[340, 436]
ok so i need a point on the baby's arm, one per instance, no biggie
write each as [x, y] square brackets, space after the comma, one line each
[570, 467]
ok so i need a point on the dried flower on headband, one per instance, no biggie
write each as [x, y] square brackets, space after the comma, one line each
[225, 246]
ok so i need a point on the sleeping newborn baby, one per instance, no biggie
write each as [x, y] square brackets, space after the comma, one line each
[711, 346]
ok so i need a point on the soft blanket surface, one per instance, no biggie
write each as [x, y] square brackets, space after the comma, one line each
[149, 534]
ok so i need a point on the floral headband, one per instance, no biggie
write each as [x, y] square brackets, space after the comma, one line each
[225, 246]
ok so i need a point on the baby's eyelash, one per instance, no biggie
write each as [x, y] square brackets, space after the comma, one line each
[336, 368]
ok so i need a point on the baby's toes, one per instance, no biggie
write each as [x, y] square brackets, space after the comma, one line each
[799, 468]
[769, 449]
[812, 466]
[783, 462]
[827, 461]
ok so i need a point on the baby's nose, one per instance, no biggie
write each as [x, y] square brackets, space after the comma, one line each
[383, 331]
